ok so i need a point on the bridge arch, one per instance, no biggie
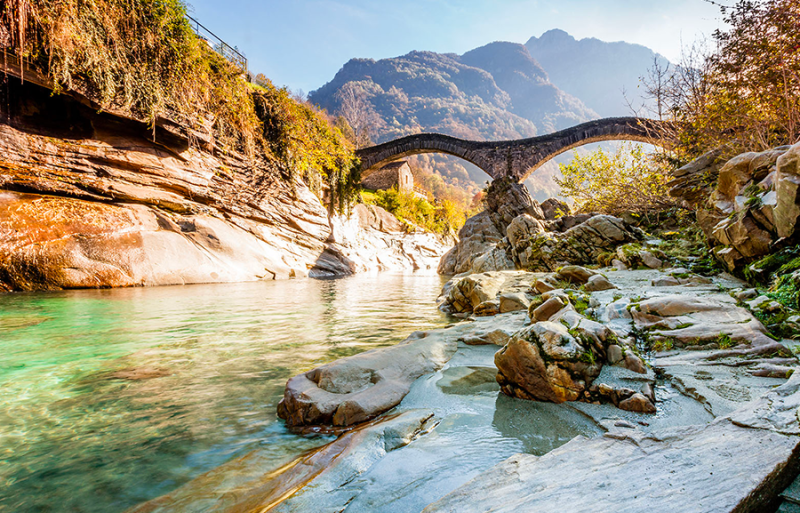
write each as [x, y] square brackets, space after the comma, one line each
[517, 159]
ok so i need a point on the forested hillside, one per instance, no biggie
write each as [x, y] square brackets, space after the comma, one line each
[499, 91]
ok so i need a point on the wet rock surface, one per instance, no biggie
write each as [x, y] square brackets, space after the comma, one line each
[634, 472]
[484, 450]
[255, 482]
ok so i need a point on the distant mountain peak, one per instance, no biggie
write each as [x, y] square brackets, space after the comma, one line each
[508, 55]
[595, 71]
[556, 35]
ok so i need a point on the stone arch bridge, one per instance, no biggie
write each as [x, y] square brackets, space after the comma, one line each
[517, 159]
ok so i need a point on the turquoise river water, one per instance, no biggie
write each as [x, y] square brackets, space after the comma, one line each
[112, 397]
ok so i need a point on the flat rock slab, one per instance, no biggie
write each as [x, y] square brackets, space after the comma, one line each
[252, 483]
[720, 388]
[716, 468]
[738, 463]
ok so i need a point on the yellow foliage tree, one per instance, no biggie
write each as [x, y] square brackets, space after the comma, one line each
[628, 180]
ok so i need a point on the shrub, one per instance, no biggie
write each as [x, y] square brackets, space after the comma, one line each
[440, 217]
[626, 181]
[309, 146]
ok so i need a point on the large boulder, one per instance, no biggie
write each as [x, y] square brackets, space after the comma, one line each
[464, 294]
[755, 202]
[476, 238]
[496, 259]
[543, 363]
[787, 188]
[582, 244]
[519, 233]
[361, 387]
[561, 359]
[691, 182]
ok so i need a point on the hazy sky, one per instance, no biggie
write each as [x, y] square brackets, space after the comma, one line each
[303, 43]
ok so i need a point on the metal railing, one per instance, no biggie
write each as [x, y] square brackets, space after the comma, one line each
[218, 45]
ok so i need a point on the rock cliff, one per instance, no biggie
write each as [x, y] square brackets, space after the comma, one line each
[88, 199]
[748, 206]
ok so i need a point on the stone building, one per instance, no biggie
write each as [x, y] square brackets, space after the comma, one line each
[395, 174]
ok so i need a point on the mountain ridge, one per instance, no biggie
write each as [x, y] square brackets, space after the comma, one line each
[498, 91]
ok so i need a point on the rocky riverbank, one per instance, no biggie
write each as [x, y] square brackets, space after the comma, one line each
[592, 348]
[87, 199]
[418, 420]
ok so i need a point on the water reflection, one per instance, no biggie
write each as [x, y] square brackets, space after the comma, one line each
[113, 397]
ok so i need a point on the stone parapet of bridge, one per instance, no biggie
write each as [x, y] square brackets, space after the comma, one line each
[517, 159]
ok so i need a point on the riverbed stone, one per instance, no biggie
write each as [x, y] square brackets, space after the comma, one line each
[528, 366]
[638, 403]
[549, 308]
[575, 274]
[650, 260]
[689, 320]
[614, 354]
[514, 301]
[597, 283]
[359, 388]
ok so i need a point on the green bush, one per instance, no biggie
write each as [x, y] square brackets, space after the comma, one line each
[440, 217]
[626, 181]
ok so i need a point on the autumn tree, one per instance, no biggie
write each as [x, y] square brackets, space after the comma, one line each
[355, 108]
[746, 89]
[628, 180]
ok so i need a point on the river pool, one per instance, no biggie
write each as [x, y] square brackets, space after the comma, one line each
[112, 397]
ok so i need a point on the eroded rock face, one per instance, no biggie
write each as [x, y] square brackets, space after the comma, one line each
[786, 210]
[371, 239]
[89, 200]
[755, 201]
[690, 182]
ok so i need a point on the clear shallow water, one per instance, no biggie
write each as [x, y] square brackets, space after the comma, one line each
[109, 398]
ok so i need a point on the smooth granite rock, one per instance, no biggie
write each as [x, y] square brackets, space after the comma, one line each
[359, 388]
[739, 463]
